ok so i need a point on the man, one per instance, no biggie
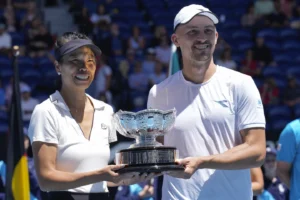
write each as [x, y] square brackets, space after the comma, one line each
[220, 125]
[288, 159]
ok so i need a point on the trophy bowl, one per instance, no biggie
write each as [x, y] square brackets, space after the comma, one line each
[146, 154]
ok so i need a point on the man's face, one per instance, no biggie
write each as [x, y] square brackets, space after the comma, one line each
[196, 39]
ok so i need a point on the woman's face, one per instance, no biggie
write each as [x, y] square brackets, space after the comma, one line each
[78, 68]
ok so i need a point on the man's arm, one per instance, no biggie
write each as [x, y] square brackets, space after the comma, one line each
[250, 154]
[257, 180]
[283, 171]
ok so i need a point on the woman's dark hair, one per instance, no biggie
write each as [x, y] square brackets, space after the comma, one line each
[66, 37]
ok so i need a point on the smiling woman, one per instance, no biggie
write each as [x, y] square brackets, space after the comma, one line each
[70, 132]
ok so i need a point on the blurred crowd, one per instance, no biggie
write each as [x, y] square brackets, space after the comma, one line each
[260, 38]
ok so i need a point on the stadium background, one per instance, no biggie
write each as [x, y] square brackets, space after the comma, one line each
[134, 35]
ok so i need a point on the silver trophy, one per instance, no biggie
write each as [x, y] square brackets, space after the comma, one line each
[146, 155]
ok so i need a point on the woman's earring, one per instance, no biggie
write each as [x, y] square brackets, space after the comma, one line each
[58, 73]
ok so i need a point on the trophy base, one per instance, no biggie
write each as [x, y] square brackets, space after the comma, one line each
[148, 159]
[151, 168]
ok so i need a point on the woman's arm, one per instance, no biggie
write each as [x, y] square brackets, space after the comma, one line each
[50, 178]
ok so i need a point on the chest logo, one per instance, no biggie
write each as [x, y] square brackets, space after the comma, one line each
[103, 126]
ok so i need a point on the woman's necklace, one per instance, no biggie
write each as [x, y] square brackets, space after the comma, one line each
[76, 109]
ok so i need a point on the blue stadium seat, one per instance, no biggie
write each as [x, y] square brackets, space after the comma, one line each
[26, 60]
[217, 3]
[279, 112]
[6, 73]
[279, 125]
[297, 112]
[5, 63]
[242, 35]
[17, 38]
[245, 46]
[4, 128]
[3, 116]
[282, 59]
[280, 82]
[274, 46]
[258, 82]
[293, 71]
[232, 24]
[271, 71]
[239, 3]
[291, 45]
[289, 34]
[31, 77]
[268, 33]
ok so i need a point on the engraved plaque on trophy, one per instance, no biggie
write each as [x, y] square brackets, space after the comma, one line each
[146, 155]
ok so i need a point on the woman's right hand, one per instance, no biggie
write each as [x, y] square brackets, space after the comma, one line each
[109, 173]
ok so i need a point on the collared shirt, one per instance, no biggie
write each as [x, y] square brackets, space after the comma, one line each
[52, 122]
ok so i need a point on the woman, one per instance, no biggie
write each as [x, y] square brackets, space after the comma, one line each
[71, 131]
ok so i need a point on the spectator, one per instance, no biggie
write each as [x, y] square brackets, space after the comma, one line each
[295, 19]
[277, 19]
[249, 18]
[5, 40]
[292, 92]
[116, 41]
[138, 81]
[103, 79]
[226, 61]
[28, 103]
[41, 43]
[273, 187]
[84, 22]
[262, 53]
[250, 66]
[158, 75]
[159, 33]
[120, 87]
[33, 28]
[269, 92]
[220, 47]
[8, 91]
[288, 164]
[100, 16]
[136, 41]
[138, 191]
[163, 51]
[31, 12]
[148, 64]
[263, 7]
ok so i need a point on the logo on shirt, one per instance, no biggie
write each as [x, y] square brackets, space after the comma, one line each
[223, 103]
[259, 103]
[103, 126]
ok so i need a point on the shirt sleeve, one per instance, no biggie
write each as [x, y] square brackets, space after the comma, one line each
[287, 145]
[42, 126]
[250, 109]
[112, 137]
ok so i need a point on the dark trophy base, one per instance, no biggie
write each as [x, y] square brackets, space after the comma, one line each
[151, 168]
[148, 159]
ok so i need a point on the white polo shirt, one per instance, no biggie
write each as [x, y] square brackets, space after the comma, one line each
[52, 122]
[209, 119]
